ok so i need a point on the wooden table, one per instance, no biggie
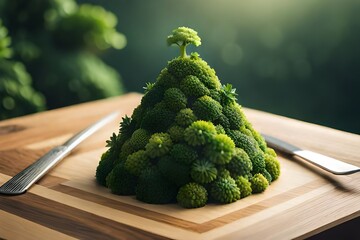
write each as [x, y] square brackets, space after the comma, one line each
[67, 203]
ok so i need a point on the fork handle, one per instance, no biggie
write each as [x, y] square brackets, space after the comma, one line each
[327, 163]
[24, 179]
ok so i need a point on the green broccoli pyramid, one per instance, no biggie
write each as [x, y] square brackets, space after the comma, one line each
[188, 141]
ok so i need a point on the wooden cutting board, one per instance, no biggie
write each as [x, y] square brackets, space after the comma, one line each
[67, 203]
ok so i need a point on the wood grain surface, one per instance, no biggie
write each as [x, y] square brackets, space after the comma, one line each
[67, 203]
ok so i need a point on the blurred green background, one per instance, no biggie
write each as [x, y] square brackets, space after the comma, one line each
[299, 59]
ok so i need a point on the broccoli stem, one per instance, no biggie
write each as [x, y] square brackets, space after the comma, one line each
[183, 50]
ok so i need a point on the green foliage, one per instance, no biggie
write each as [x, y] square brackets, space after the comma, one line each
[223, 156]
[192, 195]
[5, 40]
[228, 94]
[59, 43]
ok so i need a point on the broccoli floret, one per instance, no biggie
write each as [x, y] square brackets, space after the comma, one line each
[182, 67]
[203, 171]
[191, 86]
[126, 150]
[152, 97]
[244, 185]
[223, 172]
[185, 117]
[175, 99]
[174, 171]
[137, 162]
[183, 153]
[154, 188]
[267, 175]
[220, 149]
[104, 168]
[199, 133]
[182, 37]
[220, 129]
[137, 115]
[192, 195]
[225, 190]
[120, 181]
[159, 145]
[166, 80]
[234, 114]
[258, 183]
[158, 119]
[247, 143]
[258, 162]
[206, 108]
[272, 165]
[240, 164]
[176, 133]
[271, 152]
[223, 121]
[139, 139]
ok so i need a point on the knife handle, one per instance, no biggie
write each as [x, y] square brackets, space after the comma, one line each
[327, 163]
[24, 179]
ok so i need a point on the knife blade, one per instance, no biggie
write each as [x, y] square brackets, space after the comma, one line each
[27, 177]
[329, 164]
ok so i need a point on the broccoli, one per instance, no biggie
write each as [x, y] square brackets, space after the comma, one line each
[154, 188]
[188, 140]
[139, 139]
[159, 145]
[272, 166]
[174, 171]
[183, 153]
[191, 86]
[185, 117]
[176, 133]
[225, 190]
[199, 133]
[220, 149]
[175, 99]
[182, 37]
[120, 181]
[137, 162]
[203, 171]
[259, 183]
[192, 195]
[240, 164]
[244, 185]
[206, 108]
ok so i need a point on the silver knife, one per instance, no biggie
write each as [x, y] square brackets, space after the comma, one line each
[24, 179]
[327, 163]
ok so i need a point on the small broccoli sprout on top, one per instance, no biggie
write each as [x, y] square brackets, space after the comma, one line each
[182, 37]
